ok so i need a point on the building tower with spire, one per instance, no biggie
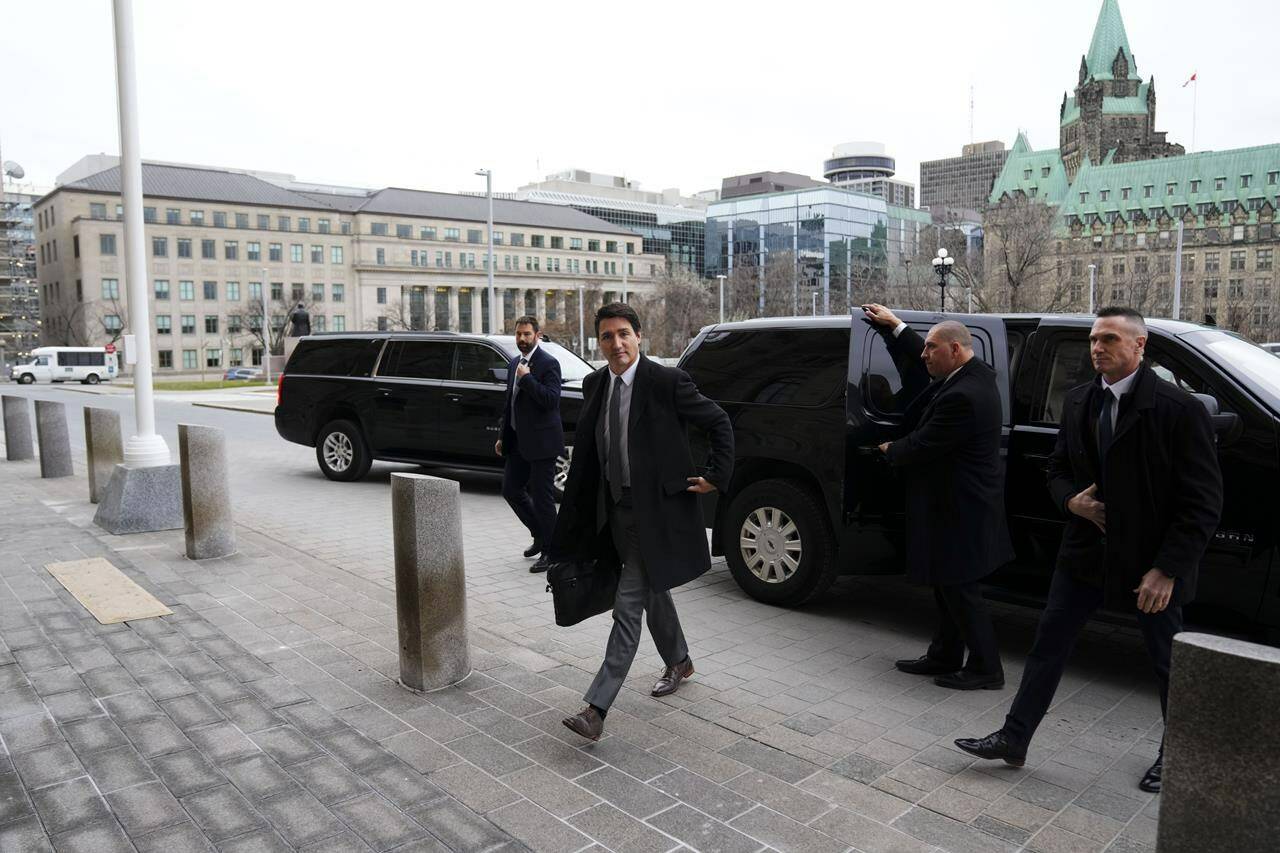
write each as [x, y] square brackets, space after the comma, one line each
[1113, 110]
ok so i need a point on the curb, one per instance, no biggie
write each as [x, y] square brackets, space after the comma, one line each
[231, 407]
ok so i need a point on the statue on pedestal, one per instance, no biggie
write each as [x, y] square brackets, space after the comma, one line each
[299, 322]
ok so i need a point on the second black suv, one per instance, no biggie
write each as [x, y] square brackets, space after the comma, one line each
[430, 398]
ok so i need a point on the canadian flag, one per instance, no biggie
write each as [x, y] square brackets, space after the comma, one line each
[1189, 82]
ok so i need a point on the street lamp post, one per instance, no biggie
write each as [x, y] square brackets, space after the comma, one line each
[1093, 277]
[488, 192]
[721, 279]
[815, 303]
[622, 244]
[266, 330]
[942, 264]
[582, 320]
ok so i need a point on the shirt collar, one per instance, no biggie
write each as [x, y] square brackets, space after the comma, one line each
[629, 375]
[529, 355]
[1122, 387]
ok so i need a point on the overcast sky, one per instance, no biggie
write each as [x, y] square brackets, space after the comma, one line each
[421, 94]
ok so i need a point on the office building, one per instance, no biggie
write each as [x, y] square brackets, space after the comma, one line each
[763, 183]
[19, 295]
[962, 183]
[866, 167]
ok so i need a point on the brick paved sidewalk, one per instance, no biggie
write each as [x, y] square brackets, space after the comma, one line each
[264, 715]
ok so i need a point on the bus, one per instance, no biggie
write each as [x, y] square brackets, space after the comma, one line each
[87, 365]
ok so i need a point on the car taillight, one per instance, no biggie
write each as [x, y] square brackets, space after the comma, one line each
[279, 388]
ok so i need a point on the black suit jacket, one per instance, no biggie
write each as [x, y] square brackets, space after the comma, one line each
[538, 432]
[953, 474]
[1163, 488]
[672, 534]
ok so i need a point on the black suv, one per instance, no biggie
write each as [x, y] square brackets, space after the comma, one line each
[812, 497]
[430, 398]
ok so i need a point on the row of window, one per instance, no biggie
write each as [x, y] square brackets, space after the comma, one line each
[231, 290]
[235, 323]
[1264, 261]
[467, 261]
[212, 357]
[173, 216]
[230, 250]
[476, 235]
[1171, 187]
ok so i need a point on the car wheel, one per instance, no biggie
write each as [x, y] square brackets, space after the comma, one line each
[778, 545]
[26, 379]
[341, 452]
[91, 379]
[562, 472]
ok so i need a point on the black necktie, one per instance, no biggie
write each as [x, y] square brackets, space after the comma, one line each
[1105, 427]
[615, 440]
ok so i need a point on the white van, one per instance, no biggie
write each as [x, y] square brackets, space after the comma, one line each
[88, 365]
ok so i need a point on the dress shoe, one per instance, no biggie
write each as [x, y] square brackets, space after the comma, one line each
[586, 723]
[924, 665]
[533, 550]
[965, 680]
[542, 565]
[1151, 779]
[994, 746]
[671, 678]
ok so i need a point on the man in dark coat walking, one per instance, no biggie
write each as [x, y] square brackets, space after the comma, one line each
[1135, 470]
[954, 479]
[532, 438]
[631, 502]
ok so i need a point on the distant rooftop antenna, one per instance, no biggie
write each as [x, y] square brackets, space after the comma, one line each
[970, 113]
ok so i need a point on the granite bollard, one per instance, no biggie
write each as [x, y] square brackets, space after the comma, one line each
[17, 428]
[104, 447]
[54, 439]
[141, 500]
[431, 583]
[1221, 747]
[206, 494]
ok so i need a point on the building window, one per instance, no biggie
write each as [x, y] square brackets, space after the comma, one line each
[497, 238]
[335, 254]
[196, 217]
[1245, 181]
[1103, 195]
[166, 357]
[611, 246]
[322, 226]
[233, 291]
[188, 324]
[149, 215]
[161, 288]
[184, 247]
[451, 234]
[235, 357]
[593, 245]
[1211, 262]
[317, 254]
[439, 259]
[160, 247]
[1195, 187]
[1264, 260]
[97, 210]
[110, 288]
[275, 252]
[1026, 174]
[344, 227]
[231, 250]
[537, 241]
[295, 253]
[304, 223]
[235, 324]
[380, 256]
[381, 296]
[210, 290]
[242, 220]
[378, 229]
[318, 323]
[277, 291]
[339, 323]
[1219, 184]
[1125, 192]
[255, 291]
[107, 244]
[1235, 288]
[1210, 288]
[282, 223]
[213, 357]
[1044, 171]
[427, 232]
[1147, 190]
[1170, 188]
[382, 324]
[211, 325]
[517, 239]
[209, 249]
[264, 222]
[219, 219]
[339, 292]
[317, 293]
[295, 292]
[1237, 260]
[186, 290]
[253, 251]
[164, 324]
[173, 216]
[404, 232]
[473, 235]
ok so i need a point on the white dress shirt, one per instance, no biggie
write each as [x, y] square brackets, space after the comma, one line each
[1119, 389]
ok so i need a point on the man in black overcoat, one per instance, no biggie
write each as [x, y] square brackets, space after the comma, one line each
[631, 502]
[532, 437]
[1135, 470]
[954, 478]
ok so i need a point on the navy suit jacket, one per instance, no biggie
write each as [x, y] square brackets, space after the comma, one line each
[537, 431]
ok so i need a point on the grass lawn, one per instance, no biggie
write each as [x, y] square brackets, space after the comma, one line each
[210, 385]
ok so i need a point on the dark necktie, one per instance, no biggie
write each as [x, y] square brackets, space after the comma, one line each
[515, 390]
[615, 440]
[1105, 427]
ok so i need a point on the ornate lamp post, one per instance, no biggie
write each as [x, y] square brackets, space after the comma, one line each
[942, 265]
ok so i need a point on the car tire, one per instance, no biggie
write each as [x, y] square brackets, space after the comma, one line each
[26, 379]
[342, 453]
[778, 544]
[562, 472]
[92, 379]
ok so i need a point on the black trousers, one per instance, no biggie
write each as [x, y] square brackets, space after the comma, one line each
[964, 622]
[529, 488]
[1070, 604]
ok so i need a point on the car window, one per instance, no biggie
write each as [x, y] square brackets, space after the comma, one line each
[477, 363]
[321, 357]
[1172, 372]
[1069, 366]
[419, 360]
[42, 361]
[798, 367]
[889, 385]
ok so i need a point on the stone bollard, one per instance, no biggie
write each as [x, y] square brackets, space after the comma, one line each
[53, 439]
[431, 583]
[104, 446]
[206, 495]
[17, 428]
[1221, 747]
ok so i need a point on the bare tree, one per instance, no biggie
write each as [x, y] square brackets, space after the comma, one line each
[1019, 235]
[62, 323]
[279, 308]
[680, 305]
[110, 319]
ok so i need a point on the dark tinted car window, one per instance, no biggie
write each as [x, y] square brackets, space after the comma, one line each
[884, 379]
[334, 357]
[1069, 366]
[796, 367]
[419, 360]
[477, 362]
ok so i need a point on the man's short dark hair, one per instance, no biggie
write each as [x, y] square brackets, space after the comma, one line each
[529, 320]
[1133, 315]
[618, 309]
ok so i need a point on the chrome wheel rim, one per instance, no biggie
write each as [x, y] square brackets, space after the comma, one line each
[562, 469]
[770, 544]
[338, 452]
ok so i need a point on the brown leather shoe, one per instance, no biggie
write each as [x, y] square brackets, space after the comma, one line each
[586, 723]
[671, 678]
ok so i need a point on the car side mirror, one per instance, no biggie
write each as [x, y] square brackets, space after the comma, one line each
[499, 374]
[1225, 424]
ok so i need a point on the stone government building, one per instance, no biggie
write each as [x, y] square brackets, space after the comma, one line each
[1119, 190]
[360, 259]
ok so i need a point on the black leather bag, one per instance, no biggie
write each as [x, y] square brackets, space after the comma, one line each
[580, 590]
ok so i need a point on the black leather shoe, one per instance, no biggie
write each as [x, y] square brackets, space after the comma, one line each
[541, 566]
[671, 678]
[533, 550]
[1151, 779]
[964, 680]
[586, 723]
[994, 746]
[925, 665]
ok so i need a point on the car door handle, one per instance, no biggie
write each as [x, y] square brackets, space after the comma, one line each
[453, 398]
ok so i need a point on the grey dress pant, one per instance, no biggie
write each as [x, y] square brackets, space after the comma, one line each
[635, 599]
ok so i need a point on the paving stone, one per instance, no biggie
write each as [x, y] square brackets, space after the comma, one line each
[701, 832]
[626, 792]
[488, 754]
[936, 829]
[537, 829]
[553, 793]
[286, 745]
[37, 658]
[770, 760]
[328, 780]
[257, 776]
[300, 818]
[221, 687]
[117, 768]
[378, 823]
[372, 722]
[100, 836]
[780, 832]
[59, 679]
[703, 794]
[557, 756]
[312, 719]
[620, 831]
[132, 706]
[146, 808]
[186, 772]
[184, 837]
[866, 835]
[458, 827]
[30, 731]
[276, 691]
[437, 724]
[19, 701]
[47, 765]
[346, 842]
[14, 802]
[26, 835]
[191, 711]
[222, 813]
[222, 742]
[156, 736]
[258, 841]
[629, 758]
[165, 684]
[1000, 829]
[250, 715]
[473, 787]
[94, 735]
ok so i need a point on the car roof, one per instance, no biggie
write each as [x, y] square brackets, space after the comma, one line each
[841, 321]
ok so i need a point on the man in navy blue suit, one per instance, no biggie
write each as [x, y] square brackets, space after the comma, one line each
[532, 438]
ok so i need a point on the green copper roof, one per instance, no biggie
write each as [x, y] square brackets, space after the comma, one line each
[1039, 174]
[1133, 105]
[1109, 39]
[1177, 183]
